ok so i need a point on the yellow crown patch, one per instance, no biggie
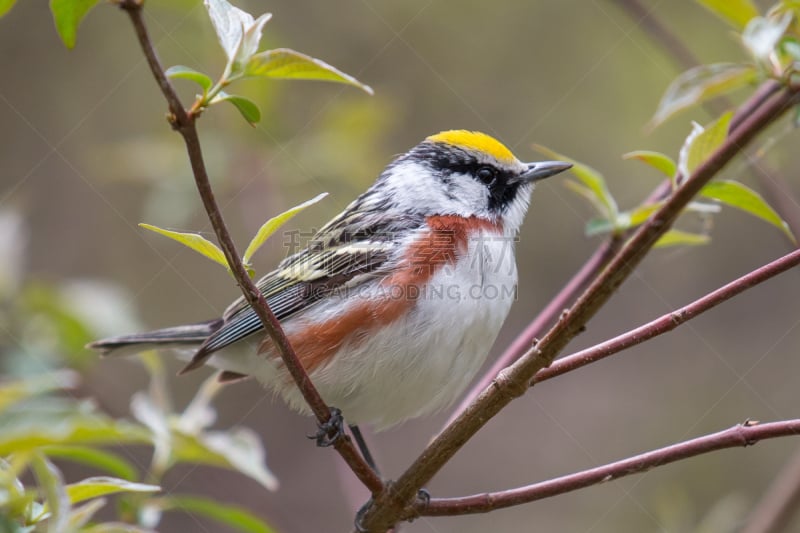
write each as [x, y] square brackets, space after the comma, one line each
[475, 141]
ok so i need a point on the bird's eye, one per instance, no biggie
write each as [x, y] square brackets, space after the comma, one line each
[486, 175]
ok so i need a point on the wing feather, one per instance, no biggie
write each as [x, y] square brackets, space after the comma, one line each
[288, 293]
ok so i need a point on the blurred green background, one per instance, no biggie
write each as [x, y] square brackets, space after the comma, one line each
[86, 154]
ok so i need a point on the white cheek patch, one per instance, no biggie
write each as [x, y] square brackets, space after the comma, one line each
[415, 189]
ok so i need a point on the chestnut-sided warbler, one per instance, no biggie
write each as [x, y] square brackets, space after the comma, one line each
[394, 305]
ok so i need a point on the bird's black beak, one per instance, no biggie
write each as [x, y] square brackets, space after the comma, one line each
[542, 169]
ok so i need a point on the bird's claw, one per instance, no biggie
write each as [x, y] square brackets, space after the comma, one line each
[328, 433]
[423, 497]
[358, 522]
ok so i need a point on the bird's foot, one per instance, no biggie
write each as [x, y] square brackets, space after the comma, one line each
[328, 433]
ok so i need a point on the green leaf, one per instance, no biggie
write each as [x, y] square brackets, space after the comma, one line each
[791, 46]
[230, 515]
[699, 84]
[703, 208]
[737, 13]
[289, 64]
[625, 220]
[640, 214]
[55, 421]
[272, 225]
[146, 411]
[68, 14]
[229, 23]
[587, 194]
[94, 457]
[740, 196]
[661, 162]
[5, 6]
[251, 38]
[15, 501]
[701, 143]
[52, 487]
[598, 226]
[248, 108]
[200, 414]
[238, 449]
[15, 391]
[592, 180]
[9, 525]
[186, 73]
[95, 487]
[762, 35]
[196, 242]
[676, 237]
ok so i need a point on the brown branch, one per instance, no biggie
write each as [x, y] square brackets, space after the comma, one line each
[513, 381]
[745, 434]
[185, 124]
[669, 321]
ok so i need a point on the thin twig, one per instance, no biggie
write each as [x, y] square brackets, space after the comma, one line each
[669, 321]
[745, 434]
[184, 123]
[514, 380]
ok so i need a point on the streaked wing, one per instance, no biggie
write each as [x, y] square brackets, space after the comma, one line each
[299, 282]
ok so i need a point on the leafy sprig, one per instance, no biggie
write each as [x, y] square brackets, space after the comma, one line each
[239, 34]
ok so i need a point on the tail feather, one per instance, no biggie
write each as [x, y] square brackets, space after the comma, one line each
[188, 335]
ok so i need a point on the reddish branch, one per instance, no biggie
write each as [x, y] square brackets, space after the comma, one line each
[512, 382]
[184, 123]
[669, 321]
[745, 434]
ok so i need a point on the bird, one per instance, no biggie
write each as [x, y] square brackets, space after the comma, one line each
[395, 303]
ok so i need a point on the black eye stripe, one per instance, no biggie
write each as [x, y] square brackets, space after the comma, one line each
[447, 160]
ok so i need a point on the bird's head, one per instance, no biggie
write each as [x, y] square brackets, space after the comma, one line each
[465, 173]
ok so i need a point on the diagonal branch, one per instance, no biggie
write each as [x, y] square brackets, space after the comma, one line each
[512, 382]
[184, 123]
[669, 321]
[480, 503]
[745, 434]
